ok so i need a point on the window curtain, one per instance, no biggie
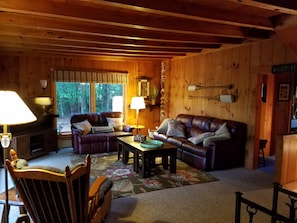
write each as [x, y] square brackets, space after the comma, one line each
[104, 77]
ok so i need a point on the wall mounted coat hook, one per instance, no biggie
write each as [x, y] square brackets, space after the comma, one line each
[199, 87]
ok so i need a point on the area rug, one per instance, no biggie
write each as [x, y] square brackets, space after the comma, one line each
[126, 182]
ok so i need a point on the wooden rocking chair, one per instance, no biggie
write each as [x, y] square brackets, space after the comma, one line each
[51, 195]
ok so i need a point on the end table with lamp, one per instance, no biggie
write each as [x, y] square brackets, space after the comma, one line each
[137, 103]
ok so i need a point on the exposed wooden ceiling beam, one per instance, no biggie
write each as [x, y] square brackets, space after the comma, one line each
[35, 22]
[77, 14]
[137, 29]
[187, 10]
[100, 45]
[119, 53]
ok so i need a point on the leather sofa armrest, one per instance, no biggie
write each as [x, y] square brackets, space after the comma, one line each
[225, 154]
[76, 131]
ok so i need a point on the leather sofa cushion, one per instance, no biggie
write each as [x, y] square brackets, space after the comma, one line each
[186, 119]
[195, 132]
[202, 123]
[92, 138]
[93, 118]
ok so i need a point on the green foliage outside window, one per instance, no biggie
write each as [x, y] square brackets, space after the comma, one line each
[74, 97]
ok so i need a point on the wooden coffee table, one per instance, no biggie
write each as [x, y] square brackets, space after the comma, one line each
[147, 155]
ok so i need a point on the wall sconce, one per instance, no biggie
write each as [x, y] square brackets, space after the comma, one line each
[199, 87]
[43, 84]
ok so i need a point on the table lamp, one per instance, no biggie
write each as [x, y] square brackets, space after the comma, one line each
[43, 101]
[13, 111]
[137, 103]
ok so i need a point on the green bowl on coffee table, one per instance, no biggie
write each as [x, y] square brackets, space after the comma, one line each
[152, 143]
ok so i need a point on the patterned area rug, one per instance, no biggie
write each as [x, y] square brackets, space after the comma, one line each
[127, 182]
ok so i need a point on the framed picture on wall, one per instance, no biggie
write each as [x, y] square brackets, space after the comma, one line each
[284, 92]
[143, 88]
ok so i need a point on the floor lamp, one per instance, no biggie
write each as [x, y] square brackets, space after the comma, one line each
[137, 103]
[13, 111]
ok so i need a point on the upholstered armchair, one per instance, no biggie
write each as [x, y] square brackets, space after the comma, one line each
[52, 195]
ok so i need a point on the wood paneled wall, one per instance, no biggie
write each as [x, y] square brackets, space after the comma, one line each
[239, 66]
[23, 74]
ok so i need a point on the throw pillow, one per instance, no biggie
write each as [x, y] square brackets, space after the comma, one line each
[84, 126]
[200, 137]
[221, 134]
[102, 129]
[222, 130]
[164, 126]
[176, 129]
[215, 138]
[116, 123]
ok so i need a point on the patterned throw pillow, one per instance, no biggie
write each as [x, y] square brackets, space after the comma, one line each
[116, 123]
[84, 126]
[176, 129]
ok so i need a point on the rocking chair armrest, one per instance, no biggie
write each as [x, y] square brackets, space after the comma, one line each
[95, 187]
[97, 192]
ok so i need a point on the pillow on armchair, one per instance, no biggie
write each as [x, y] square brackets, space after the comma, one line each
[116, 123]
[84, 126]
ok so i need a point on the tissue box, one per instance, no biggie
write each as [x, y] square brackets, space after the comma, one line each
[139, 138]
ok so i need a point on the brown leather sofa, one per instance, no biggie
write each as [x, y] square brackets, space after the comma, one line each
[220, 154]
[99, 142]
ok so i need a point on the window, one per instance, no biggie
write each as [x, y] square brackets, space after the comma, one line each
[105, 95]
[74, 97]
[87, 91]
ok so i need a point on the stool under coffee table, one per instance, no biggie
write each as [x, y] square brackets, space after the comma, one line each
[147, 155]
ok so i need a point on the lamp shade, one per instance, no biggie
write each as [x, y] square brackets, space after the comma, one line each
[13, 110]
[137, 103]
[43, 101]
